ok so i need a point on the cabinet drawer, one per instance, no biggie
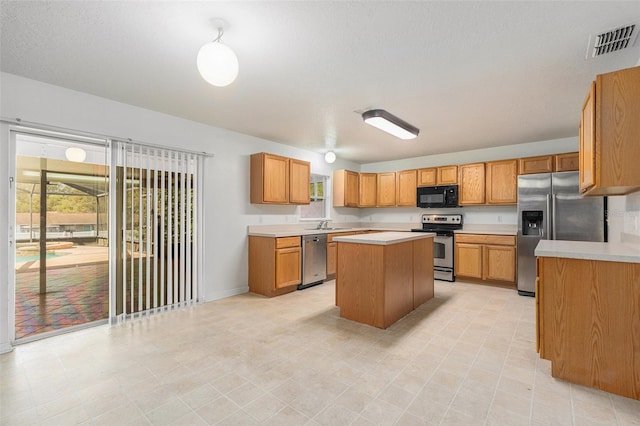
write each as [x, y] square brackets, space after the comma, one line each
[507, 240]
[284, 242]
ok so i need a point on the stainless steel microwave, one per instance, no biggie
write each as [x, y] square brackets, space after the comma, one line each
[442, 196]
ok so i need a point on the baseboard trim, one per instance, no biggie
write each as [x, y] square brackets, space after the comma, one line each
[226, 293]
[5, 348]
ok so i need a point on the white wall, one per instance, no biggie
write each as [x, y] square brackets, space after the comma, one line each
[226, 181]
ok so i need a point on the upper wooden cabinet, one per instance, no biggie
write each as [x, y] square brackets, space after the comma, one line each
[406, 193]
[471, 184]
[540, 164]
[427, 177]
[386, 189]
[345, 188]
[299, 178]
[445, 175]
[502, 182]
[368, 184]
[610, 135]
[279, 180]
[568, 162]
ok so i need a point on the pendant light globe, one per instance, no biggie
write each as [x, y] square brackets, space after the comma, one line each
[217, 64]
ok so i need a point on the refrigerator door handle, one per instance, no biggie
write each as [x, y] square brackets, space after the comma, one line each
[553, 221]
[549, 236]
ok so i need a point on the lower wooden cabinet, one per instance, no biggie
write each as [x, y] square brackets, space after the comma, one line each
[486, 257]
[332, 251]
[587, 322]
[275, 265]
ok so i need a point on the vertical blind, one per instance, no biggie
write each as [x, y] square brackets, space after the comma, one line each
[158, 251]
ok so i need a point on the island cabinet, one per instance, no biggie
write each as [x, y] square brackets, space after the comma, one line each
[406, 192]
[489, 258]
[345, 188]
[274, 265]
[471, 184]
[279, 180]
[502, 182]
[587, 322]
[386, 189]
[609, 135]
[382, 277]
[368, 184]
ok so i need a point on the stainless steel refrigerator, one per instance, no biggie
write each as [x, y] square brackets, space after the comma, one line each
[550, 207]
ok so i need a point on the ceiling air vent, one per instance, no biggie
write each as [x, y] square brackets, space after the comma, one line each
[612, 41]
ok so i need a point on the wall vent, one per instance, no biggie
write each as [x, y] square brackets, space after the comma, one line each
[612, 41]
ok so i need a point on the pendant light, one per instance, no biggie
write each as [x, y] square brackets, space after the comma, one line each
[217, 63]
[330, 157]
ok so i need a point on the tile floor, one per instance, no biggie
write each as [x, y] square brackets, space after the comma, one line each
[465, 358]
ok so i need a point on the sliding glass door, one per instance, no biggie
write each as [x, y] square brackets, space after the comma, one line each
[104, 231]
[61, 223]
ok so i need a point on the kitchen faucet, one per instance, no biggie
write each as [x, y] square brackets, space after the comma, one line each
[323, 222]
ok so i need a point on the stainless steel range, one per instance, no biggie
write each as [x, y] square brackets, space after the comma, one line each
[443, 225]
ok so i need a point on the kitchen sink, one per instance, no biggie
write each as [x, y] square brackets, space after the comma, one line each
[324, 229]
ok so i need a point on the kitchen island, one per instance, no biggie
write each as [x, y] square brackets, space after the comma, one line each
[587, 313]
[382, 277]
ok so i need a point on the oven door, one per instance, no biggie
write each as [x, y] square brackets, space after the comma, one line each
[443, 251]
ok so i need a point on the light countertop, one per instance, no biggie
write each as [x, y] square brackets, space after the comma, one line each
[384, 238]
[488, 229]
[283, 232]
[610, 252]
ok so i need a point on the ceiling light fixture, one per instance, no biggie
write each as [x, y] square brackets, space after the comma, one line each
[75, 154]
[217, 63]
[330, 157]
[390, 123]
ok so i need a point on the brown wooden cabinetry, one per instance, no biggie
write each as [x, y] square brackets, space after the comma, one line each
[406, 195]
[279, 180]
[332, 251]
[587, 322]
[447, 175]
[386, 189]
[502, 182]
[274, 265]
[609, 135]
[299, 178]
[568, 162]
[540, 164]
[345, 188]
[368, 184]
[443, 175]
[427, 177]
[486, 257]
[471, 184]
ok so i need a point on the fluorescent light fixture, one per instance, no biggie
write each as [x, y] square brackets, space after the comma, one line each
[390, 123]
[330, 157]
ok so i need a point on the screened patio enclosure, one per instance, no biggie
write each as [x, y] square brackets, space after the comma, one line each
[104, 239]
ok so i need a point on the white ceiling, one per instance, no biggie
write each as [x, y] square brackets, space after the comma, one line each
[468, 74]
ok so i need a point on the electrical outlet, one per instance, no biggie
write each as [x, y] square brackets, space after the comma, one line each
[635, 223]
[499, 219]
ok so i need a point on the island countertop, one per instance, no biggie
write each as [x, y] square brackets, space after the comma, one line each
[609, 252]
[384, 238]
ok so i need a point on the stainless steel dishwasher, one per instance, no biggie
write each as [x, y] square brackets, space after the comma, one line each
[314, 260]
